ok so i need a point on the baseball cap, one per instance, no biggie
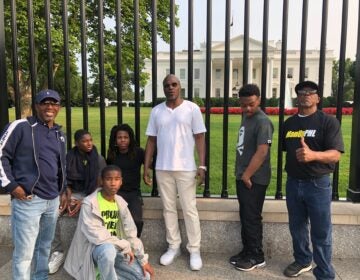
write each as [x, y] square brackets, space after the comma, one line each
[47, 93]
[306, 84]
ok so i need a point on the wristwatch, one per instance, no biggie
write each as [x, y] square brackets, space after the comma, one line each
[203, 167]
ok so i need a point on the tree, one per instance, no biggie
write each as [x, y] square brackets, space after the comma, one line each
[127, 43]
[40, 50]
[349, 79]
[127, 35]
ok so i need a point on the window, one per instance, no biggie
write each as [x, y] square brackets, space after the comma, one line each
[217, 92]
[306, 72]
[218, 74]
[196, 73]
[274, 92]
[290, 73]
[182, 74]
[235, 95]
[275, 73]
[254, 73]
[197, 92]
[183, 92]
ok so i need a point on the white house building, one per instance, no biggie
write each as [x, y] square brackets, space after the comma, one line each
[236, 62]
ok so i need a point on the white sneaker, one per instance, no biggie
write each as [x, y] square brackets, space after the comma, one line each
[147, 276]
[56, 260]
[195, 261]
[168, 257]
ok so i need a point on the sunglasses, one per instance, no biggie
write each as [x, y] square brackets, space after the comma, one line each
[306, 92]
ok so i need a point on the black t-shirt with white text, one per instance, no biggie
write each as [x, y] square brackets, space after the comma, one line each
[321, 132]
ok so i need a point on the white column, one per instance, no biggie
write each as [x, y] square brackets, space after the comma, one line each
[250, 76]
[270, 78]
[203, 80]
[230, 77]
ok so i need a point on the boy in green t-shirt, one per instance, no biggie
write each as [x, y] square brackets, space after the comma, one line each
[105, 236]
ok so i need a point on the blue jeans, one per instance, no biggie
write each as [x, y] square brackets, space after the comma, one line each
[311, 200]
[33, 225]
[113, 265]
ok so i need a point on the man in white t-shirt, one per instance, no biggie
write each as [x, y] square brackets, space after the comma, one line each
[174, 129]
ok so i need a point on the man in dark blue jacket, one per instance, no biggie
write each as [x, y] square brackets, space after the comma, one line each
[32, 170]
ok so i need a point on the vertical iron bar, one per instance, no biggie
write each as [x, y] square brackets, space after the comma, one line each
[190, 49]
[154, 51]
[48, 45]
[208, 94]
[264, 53]
[323, 50]
[101, 75]
[154, 191]
[136, 71]
[84, 65]
[172, 36]
[246, 42]
[32, 64]
[67, 72]
[224, 191]
[278, 194]
[353, 191]
[118, 63]
[15, 61]
[303, 40]
[4, 112]
[340, 95]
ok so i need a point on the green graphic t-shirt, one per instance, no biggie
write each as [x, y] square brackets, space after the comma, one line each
[110, 213]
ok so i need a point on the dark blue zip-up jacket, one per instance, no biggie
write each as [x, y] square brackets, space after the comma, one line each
[19, 157]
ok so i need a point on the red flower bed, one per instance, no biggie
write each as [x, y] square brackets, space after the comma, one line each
[275, 110]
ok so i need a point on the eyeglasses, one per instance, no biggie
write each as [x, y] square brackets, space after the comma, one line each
[49, 103]
[306, 92]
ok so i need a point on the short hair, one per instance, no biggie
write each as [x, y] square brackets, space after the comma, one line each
[249, 90]
[171, 75]
[110, 168]
[80, 133]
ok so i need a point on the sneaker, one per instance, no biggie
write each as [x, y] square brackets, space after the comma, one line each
[249, 263]
[195, 261]
[168, 257]
[295, 269]
[234, 259]
[55, 262]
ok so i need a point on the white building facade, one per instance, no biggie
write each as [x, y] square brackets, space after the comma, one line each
[236, 69]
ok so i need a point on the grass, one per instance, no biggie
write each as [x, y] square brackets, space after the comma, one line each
[216, 144]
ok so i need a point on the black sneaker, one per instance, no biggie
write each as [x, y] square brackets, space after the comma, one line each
[249, 263]
[234, 259]
[295, 269]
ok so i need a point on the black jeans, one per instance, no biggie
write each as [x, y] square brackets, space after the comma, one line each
[135, 204]
[251, 204]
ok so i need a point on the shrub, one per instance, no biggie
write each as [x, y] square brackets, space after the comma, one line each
[275, 110]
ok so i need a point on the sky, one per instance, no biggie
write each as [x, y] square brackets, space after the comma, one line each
[275, 23]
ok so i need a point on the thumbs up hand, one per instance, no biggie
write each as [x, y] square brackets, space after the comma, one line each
[304, 154]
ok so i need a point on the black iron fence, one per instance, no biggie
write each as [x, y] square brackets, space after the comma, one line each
[82, 11]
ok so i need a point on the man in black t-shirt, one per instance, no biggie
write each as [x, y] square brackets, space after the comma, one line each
[313, 144]
[253, 173]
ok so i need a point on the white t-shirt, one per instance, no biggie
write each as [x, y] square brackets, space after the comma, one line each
[175, 129]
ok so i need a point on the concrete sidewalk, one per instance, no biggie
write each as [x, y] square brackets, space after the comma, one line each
[216, 267]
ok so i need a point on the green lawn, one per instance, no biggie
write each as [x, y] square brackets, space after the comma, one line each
[216, 143]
